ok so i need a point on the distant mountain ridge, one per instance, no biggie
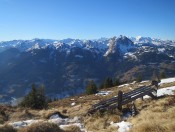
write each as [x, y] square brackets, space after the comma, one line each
[25, 45]
[65, 66]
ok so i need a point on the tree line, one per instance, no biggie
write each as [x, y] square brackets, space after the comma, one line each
[36, 98]
[92, 88]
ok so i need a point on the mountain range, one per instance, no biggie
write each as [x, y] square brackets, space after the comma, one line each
[65, 66]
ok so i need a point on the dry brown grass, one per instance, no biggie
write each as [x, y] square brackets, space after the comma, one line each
[3, 117]
[7, 128]
[158, 116]
[151, 111]
[22, 115]
[96, 124]
[42, 127]
[167, 85]
[85, 102]
[72, 128]
[5, 111]
[100, 122]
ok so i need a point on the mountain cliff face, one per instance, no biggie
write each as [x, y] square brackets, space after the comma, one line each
[121, 45]
[65, 66]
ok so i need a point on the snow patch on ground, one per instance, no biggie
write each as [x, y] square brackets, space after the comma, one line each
[104, 93]
[21, 124]
[81, 126]
[54, 119]
[122, 126]
[123, 85]
[55, 116]
[144, 81]
[166, 91]
[72, 104]
[167, 80]
[163, 91]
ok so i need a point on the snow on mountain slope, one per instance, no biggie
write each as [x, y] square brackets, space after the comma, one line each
[151, 41]
[119, 44]
[65, 44]
[116, 44]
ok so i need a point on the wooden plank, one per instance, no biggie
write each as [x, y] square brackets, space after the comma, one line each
[105, 101]
[135, 97]
[105, 105]
[135, 92]
[130, 95]
[111, 100]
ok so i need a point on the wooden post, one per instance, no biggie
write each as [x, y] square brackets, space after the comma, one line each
[134, 111]
[142, 98]
[120, 97]
[155, 83]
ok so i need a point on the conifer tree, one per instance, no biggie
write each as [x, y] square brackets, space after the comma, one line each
[117, 82]
[35, 99]
[91, 88]
[108, 83]
[139, 78]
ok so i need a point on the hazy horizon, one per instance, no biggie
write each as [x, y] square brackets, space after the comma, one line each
[57, 39]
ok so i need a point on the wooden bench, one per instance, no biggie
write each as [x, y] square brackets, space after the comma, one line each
[124, 98]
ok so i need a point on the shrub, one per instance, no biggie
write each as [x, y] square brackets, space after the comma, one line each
[7, 128]
[117, 82]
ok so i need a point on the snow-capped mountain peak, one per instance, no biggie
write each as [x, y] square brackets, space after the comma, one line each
[116, 44]
[119, 44]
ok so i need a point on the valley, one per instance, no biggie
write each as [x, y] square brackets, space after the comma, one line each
[65, 66]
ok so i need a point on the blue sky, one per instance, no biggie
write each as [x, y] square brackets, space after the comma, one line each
[86, 19]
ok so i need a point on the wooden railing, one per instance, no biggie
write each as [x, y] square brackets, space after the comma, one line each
[124, 98]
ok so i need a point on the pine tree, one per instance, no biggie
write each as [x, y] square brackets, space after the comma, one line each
[36, 98]
[139, 78]
[42, 100]
[91, 88]
[108, 83]
[117, 82]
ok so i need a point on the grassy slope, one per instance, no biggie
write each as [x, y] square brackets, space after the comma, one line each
[154, 115]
